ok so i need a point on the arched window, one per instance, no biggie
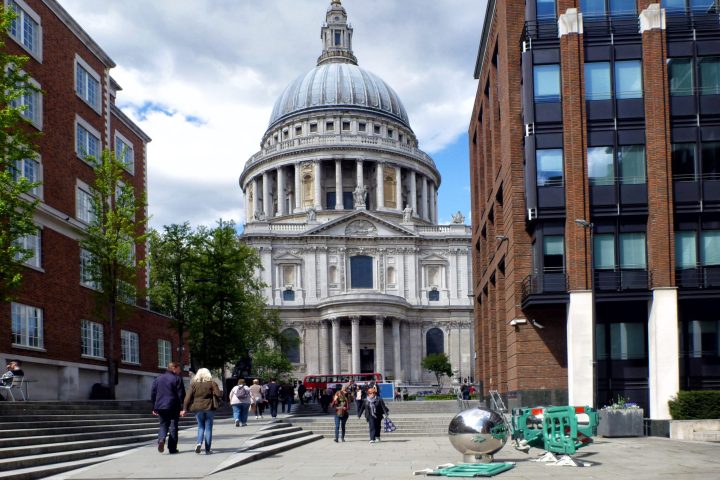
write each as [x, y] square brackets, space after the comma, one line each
[291, 346]
[435, 341]
[361, 272]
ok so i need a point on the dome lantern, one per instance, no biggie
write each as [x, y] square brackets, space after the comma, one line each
[336, 35]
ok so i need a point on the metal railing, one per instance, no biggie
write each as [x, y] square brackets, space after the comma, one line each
[621, 280]
[545, 282]
[699, 277]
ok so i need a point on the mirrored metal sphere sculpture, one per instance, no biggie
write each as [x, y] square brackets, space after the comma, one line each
[477, 433]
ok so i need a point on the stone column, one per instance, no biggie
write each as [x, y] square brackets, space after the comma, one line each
[398, 189]
[359, 178]
[396, 349]
[379, 188]
[433, 205]
[336, 346]
[267, 204]
[256, 197]
[281, 191]
[323, 348]
[338, 187]
[355, 334]
[663, 351]
[424, 199]
[297, 187]
[580, 346]
[380, 345]
[318, 184]
[413, 192]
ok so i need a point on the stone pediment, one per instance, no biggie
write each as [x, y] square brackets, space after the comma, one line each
[288, 258]
[360, 224]
[433, 258]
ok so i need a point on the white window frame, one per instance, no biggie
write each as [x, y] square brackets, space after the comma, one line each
[21, 316]
[34, 99]
[20, 173]
[89, 129]
[33, 243]
[83, 202]
[92, 345]
[85, 280]
[129, 347]
[24, 11]
[164, 352]
[128, 160]
[81, 89]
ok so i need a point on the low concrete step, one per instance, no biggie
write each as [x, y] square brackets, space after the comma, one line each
[44, 471]
[266, 441]
[29, 461]
[260, 452]
[707, 436]
[8, 429]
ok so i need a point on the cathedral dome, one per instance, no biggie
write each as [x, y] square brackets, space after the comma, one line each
[339, 85]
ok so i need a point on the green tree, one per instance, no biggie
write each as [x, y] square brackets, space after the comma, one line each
[438, 364]
[117, 226]
[229, 314]
[269, 362]
[171, 276]
[17, 145]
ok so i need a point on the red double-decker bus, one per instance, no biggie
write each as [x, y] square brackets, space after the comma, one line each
[323, 380]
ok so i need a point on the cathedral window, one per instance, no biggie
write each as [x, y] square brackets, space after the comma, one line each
[376, 129]
[361, 126]
[390, 132]
[434, 295]
[361, 272]
[391, 277]
[434, 341]
[338, 39]
[313, 128]
[346, 126]
[298, 131]
[291, 345]
[329, 126]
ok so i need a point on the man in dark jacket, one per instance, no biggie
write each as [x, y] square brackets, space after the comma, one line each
[273, 396]
[168, 392]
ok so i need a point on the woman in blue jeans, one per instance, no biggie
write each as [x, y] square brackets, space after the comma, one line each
[341, 404]
[240, 399]
[202, 399]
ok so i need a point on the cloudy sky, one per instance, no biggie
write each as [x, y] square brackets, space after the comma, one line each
[201, 76]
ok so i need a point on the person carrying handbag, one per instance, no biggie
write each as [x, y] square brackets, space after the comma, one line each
[203, 398]
[257, 401]
[374, 408]
[341, 404]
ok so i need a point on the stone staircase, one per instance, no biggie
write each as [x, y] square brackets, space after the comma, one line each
[412, 419]
[39, 439]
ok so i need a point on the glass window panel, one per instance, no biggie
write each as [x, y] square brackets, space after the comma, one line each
[600, 348]
[710, 76]
[435, 341]
[627, 341]
[711, 160]
[600, 166]
[291, 347]
[628, 79]
[545, 9]
[632, 251]
[673, 5]
[361, 272]
[702, 6]
[686, 249]
[592, 8]
[710, 247]
[684, 161]
[549, 167]
[680, 71]
[604, 251]
[597, 81]
[546, 80]
[622, 7]
[704, 338]
[631, 164]
[553, 252]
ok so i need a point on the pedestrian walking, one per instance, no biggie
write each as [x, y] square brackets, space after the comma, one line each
[257, 399]
[374, 408]
[273, 397]
[167, 394]
[301, 393]
[287, 395]
[203, 398]
[359, 397]
[240, 400]
[341, 403]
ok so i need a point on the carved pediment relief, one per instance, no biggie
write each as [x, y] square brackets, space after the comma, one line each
[361, 228]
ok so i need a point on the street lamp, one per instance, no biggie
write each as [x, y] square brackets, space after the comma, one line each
[590, 227]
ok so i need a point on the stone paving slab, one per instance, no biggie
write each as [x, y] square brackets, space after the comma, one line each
[398, 458]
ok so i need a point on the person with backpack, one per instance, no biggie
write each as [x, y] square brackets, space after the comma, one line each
[240, 399]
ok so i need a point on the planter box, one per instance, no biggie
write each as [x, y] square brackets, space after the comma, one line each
[621, 423]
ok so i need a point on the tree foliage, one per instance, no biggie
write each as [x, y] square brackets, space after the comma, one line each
[115, 229]
[438, 364]
[17, 143]
[269, 362]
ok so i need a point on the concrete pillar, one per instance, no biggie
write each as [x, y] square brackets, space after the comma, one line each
[318, 184]
[413, 192]
[323, 348]
[281, 191]
[267, 204]
[297, 187]
[663, 351]
[359, 181]
[580, 347]
[380, 345]
[433, 204]
[398, 189]
[355, 335]
[380, 182]
[256, 197]
[396, 349]
[337, 368]
[424, 199]
[338, 186]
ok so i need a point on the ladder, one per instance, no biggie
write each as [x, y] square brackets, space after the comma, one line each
[499, 406]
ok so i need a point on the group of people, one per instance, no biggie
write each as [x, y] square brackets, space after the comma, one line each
[368, 402]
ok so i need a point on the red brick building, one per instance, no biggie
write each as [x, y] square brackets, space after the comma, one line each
[595, 171]
[51, 326]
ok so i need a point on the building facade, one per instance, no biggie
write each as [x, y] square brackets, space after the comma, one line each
[342, 206]
[51, 326]
[595, 141]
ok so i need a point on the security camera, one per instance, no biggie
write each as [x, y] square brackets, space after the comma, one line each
[537, 325]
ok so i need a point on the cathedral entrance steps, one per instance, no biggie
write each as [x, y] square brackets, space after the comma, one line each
[407, 425]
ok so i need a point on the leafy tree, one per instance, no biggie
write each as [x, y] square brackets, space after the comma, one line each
[171, 261]
[116, 227]
[269, 362]
[16, 145]
[438, 364]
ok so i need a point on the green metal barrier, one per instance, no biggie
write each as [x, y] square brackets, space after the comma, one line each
[558, 431]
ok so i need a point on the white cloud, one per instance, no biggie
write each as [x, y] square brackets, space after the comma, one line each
[201, 76]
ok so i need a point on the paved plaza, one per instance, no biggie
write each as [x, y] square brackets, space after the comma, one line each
[396, 458]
